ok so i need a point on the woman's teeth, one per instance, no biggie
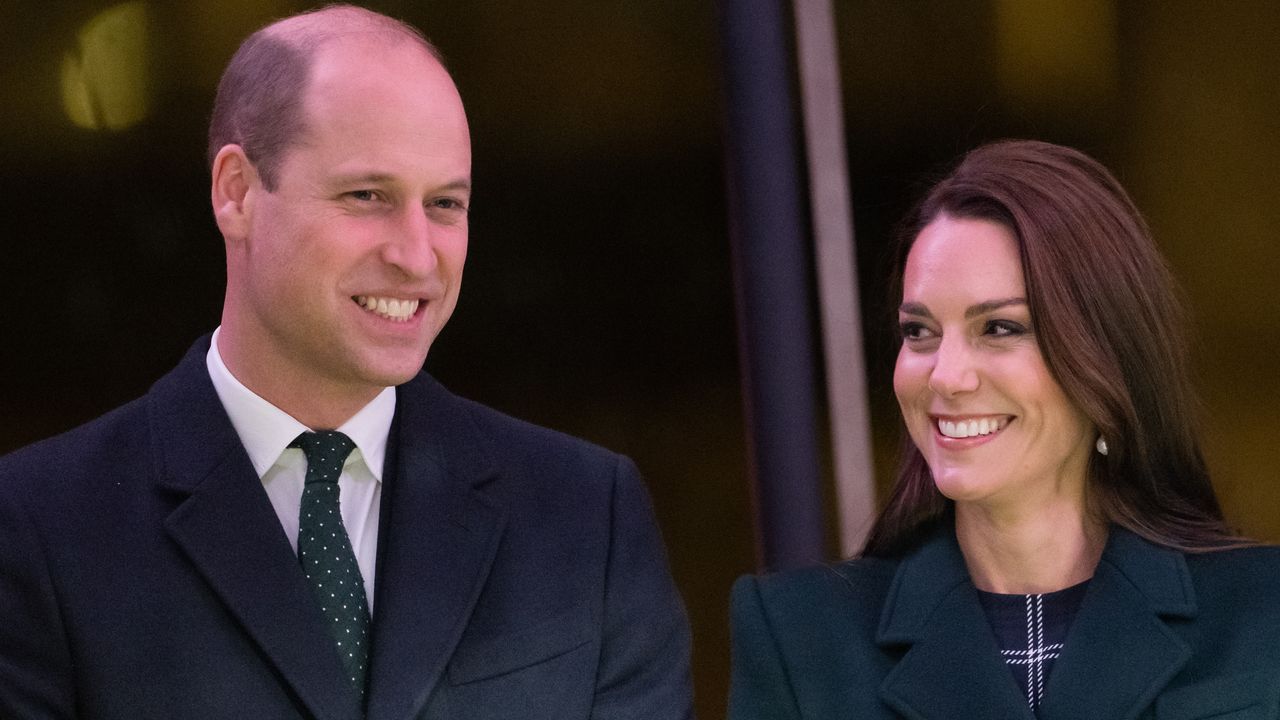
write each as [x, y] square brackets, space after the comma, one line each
[969, 428]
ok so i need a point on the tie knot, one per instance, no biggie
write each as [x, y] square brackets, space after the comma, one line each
[326, 452]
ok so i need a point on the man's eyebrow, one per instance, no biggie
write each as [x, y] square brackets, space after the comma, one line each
[459, 184]
[982, 308]
[378, 178]
[373, 178]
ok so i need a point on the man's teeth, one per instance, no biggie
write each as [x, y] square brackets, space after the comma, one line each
[969, 428]
[389, 308]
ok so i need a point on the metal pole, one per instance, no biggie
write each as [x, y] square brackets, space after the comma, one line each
[837, 271]
[771, 267]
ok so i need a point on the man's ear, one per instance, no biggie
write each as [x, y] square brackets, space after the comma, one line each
[234, 177]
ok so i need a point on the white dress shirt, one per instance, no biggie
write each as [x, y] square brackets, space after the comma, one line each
[266, 431]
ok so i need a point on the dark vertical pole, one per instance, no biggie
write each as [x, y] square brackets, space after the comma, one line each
[771, 271]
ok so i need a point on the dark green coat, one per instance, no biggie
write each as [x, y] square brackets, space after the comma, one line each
[1160, 634]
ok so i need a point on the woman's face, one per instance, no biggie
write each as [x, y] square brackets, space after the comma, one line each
[976, 395]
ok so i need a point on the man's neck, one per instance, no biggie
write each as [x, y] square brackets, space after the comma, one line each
[319, 406]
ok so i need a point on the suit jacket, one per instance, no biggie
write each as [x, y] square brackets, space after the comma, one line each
[1159, 635]
[144, 574]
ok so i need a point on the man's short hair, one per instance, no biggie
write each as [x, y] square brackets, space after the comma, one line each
[259, 105]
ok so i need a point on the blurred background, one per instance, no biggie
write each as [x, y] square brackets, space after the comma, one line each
[599, 288]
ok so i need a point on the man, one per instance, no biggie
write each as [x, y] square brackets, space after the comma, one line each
[296, 523]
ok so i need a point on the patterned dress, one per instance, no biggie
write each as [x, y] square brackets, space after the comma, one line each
[1030, 631]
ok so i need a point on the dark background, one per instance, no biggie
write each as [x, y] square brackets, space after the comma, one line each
[598, 294]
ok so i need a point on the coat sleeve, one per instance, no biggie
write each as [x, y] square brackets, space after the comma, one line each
[760, 688]
[644, 663]
[35, 659]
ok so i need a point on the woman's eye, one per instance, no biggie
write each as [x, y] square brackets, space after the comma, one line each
[913, 330]
[1004, 328]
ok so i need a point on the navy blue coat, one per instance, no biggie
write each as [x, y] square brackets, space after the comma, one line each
[144, 574]
[1159, 635]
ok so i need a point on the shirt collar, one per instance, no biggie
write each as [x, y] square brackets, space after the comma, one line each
[266, 431]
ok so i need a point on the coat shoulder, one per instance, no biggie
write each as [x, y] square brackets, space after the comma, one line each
[526, 438]
[58, 464]
[808, 638]
[521, 448]
[1243, 580]
[1235, 628]
[858, 577]
[821, 597]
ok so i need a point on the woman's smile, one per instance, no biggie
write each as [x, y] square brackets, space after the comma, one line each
[979, 401]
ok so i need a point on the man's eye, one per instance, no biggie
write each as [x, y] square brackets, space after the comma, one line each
[363, 195]
[448, 204]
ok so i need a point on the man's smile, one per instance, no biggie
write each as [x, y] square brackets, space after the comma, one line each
[389, 308]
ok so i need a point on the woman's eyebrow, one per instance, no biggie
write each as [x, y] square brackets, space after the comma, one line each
[982, 308]
[915, 308]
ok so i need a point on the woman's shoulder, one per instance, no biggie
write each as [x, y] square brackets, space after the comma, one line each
[846, 588]
[805, 619]
[1254, 570]
[1234, 624]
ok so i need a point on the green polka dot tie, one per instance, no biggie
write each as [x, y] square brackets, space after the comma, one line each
[325, 551]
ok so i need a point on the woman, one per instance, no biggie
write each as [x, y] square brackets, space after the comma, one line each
[1053, 547]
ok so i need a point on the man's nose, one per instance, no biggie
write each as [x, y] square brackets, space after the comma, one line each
[955, 369]
[412, 244]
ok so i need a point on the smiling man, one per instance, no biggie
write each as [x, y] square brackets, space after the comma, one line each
[297, 522]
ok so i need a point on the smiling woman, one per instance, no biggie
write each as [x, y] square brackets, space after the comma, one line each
[1052, 228]
[1053, 546]
[996, 430]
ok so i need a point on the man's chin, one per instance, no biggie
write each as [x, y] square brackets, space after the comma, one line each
[389, 374]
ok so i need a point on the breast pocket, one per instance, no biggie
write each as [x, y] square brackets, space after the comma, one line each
[481, 659]
[1250, 696]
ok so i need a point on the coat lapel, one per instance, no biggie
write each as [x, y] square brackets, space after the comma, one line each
[227, 528]
[438, 537]
[1119, 652]
[953, 668]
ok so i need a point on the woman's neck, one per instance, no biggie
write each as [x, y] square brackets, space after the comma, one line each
[1048, 548]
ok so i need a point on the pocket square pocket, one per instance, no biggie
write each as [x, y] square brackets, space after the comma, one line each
[1249, 696]
[485, 658]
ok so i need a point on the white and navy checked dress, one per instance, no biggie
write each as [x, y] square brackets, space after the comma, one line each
[1030, 631]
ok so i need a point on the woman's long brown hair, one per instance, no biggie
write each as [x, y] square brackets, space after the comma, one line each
[1110, 327]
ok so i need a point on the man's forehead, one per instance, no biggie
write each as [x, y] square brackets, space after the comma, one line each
[378, 73]
[344, 24]
[317, 27]
[368, 108]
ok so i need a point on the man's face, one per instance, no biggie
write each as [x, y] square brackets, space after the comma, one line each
[352, 265]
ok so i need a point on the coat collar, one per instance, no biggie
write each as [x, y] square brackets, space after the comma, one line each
[224, 523]
[1120, 653]
[953, 667]
[1118, 656]
[439, 533]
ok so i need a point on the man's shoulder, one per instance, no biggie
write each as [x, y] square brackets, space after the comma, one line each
[115, 445]
[65, 474]
[503, 434]
[112, 435]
